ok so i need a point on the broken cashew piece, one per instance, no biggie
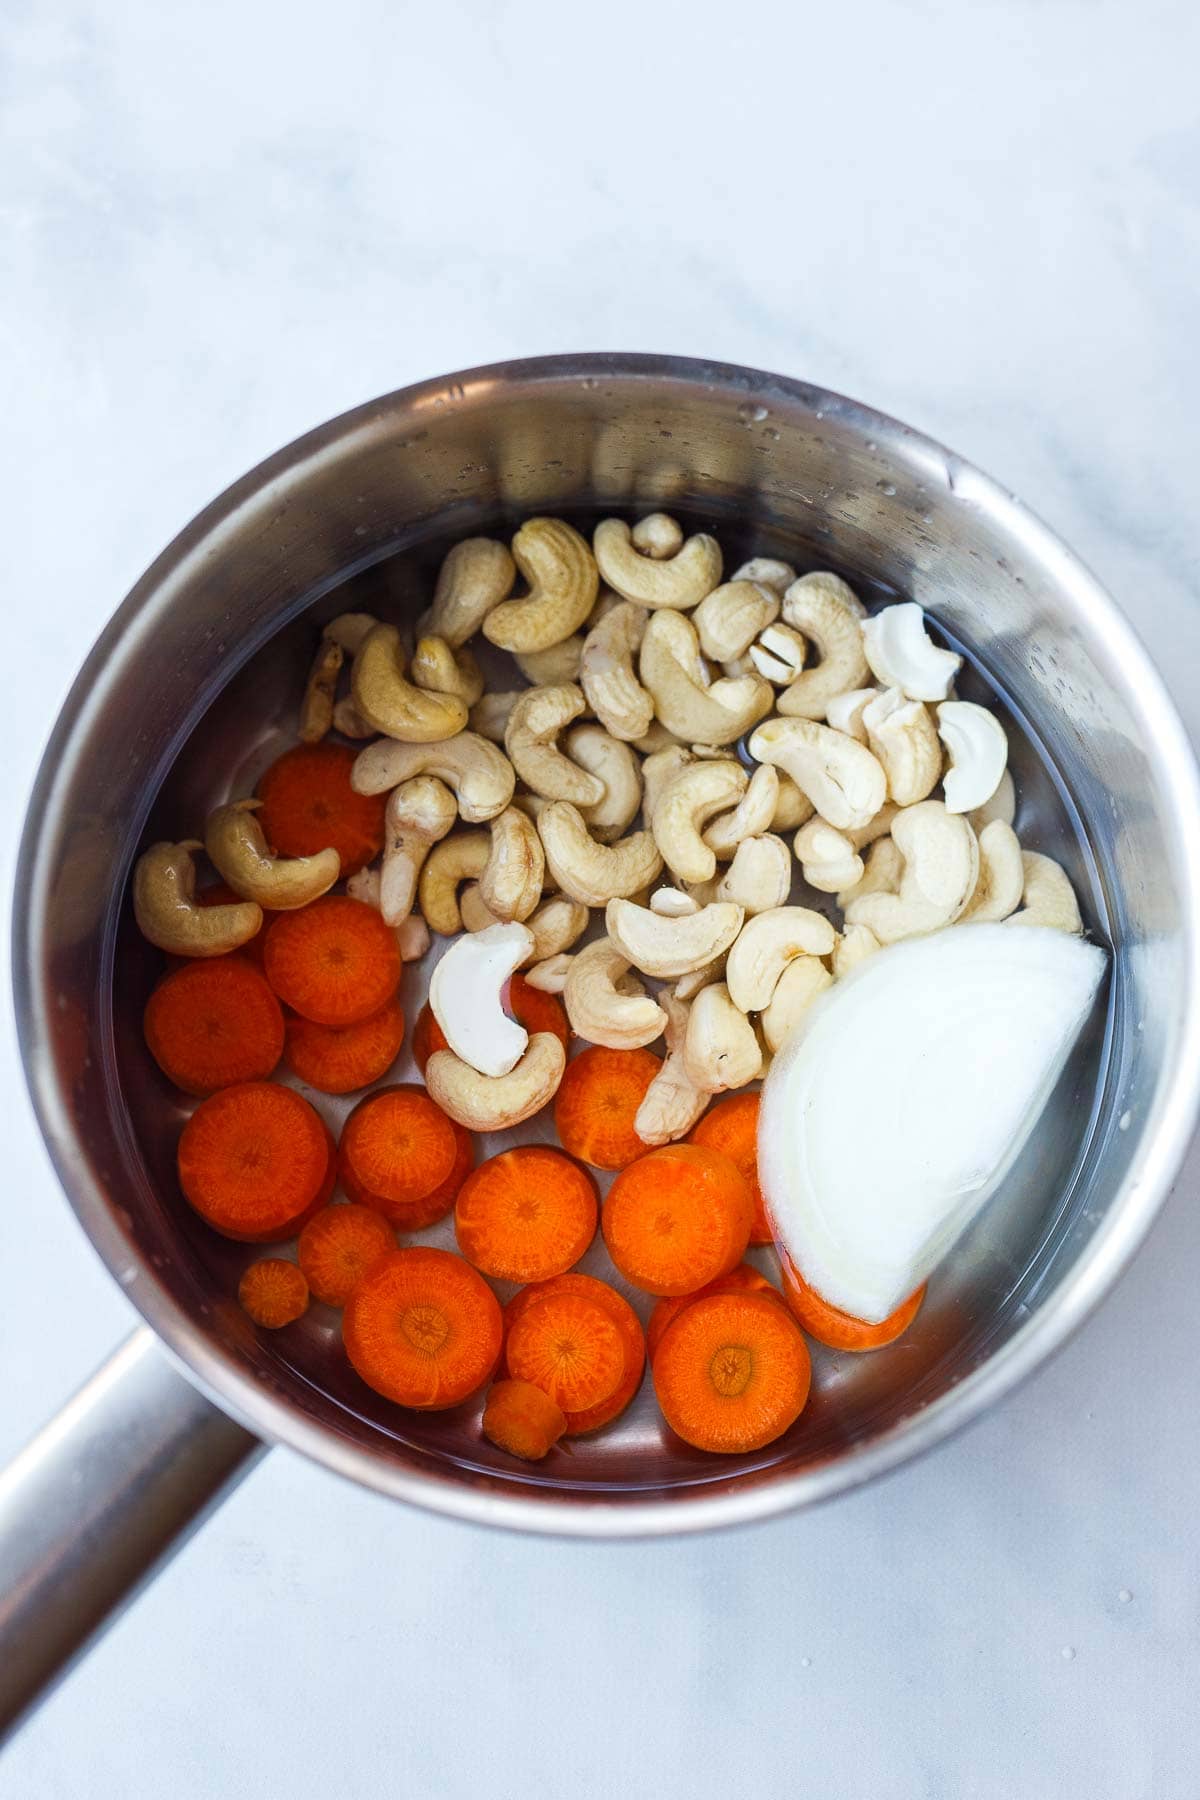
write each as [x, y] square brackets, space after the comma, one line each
[827, 612]
[760, 875]
[941, 869]
[845, 712]
[903, 737]
[386, 699]
[854, 946]
[672, 1103]
[556, 925]
[440, 670]
[978, 749]
[456, 859]
[780, 654]
[550, 975]
[765, 947]
[1048, 897]
[607, 677]
[617, 769]
[730, 618]
[828, 861]
[721, 1049]
[497, 1102]
[466, 998]
[1001, 885]
[480, 775]
[605, 1004]
[548, 668]
[412, 938]
[802, 982]
[691, 706]
[690, 798]
[238, 851]
[670, 947]
[418, 814]
[320, 691]
[164, 905]
[510, 884]
[561, 574]
[903, 655]
[475, 577]
[844, 781]
[533, 725]
[674, 582]
[595, 873]
[753, 814]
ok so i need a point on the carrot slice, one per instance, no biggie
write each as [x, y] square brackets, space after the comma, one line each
[677, 1218]
[273, 1292]
[415, 1215]
[399, 1145]
[732, 1372]
[840, 1330]
[219, 893]
[308, 805]
[212, 1023]
[334, 961]
[744, 1279]
[337, 1059]
[732, 1128]
[519, 1418]
[526, 1214]
[423, 1328]
[255, 1161]
[597, 1102]
[627, 1323]
[530, 1007]
[340, 1245]
[568, 1345]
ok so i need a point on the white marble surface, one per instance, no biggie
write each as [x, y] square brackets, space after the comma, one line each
[221, 225]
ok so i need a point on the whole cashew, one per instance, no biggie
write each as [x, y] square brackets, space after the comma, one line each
[672, 1103]
[561, 574]
[690, 798]
[477, 915]
[605, 1004]
[550, 975]
[238, 851]
[802, 982]
[904, 738]
[438, 669]
[533, 725]
[765, 947]
[616, 767]
[475, 576]
[678, 581]
[883, 868]
[614, 693]
[670, 947]
[391, 703]
[412, 933]
[1002, 805]
[167, 913]
[491, 712]
[659, 768]
[349, 721]
[792, 808]
[657, 535]
[941, 869]
[691, 706]
[320, 690]
[418, 814]
[828, 861]
[349, 630]
[475, 770]
[721, 1049]
[769, 571]
[456, 859]
[496, 1102]
[556, 925]
[760, 875]
[510, 884]
[901, 654]
[828, 612]
[595, 873]
[876, 827]
[1001, 885]
[731, 617]
[1048, 897]
[844, 781]
[753, 814]
[854, 946]
[546, 668]
[845, 711]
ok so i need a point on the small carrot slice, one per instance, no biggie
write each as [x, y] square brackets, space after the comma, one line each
[273, 1292]
[340, 1245]
[219, 893]
[597, 1102]
[308, 805]
[415, 1215]
[744, 1279]
[569, 1346]
[840, 1330]
[337, 1059]
[732, 1128]
[423, 1328]
[530, 1007]
[255, 1161]
[519, 1418]
[334, 962]
[526, 1214]
[623, 1317]
[677, 1218]
[399, 1145]
[212, 1023]
[732, 1372]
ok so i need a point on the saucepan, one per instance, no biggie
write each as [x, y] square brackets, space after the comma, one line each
[201, 666]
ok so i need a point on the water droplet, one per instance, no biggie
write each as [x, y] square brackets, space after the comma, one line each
[360, 531]
[872, 447]
[806, 1662]
[752, 415]
[1125, 1596]
[1125, 1121]
[886, 487]
[819, 415]
[1068, 1654]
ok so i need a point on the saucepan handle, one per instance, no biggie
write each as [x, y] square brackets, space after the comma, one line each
[100, 1498]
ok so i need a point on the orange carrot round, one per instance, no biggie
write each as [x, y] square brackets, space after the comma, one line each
[840, 1330]
[530, 1007]
[254, 1161]
[334, 962]
[526, 1214]
[212, 1023]
[744, 1279]
[423, 1328]
[597, 1102]
[569, 1346]
[591, 1418]
[273, 1292]
[415, 1215]
[337, 1059]
[677, 1218]
[340, 1245]
[308, 805]
[399, 1144]
[732, 1128]
[732, 1372]
[519, 1418]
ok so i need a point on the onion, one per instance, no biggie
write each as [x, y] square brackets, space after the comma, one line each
[905, 1096]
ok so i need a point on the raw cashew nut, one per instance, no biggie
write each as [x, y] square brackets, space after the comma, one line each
[349, 721]
[696, 709]
[419, 813]
[563, 583]
[477, 915]
[595, 873]
[440, 670]
[828, 861]
[672, 1103]
[874, 828]
[657, 535]
[164, 905]
[779, 655]
[845, 711]
[655, 739]
[688, 986]
[1002, 805]
[614, 693]
[466, 998]
[792, 808]
[1001, 885]
[844, 781]
[349, 630]
[556, 925]
[720, 1048]
[616, 767]
[475, 577]
[854, 946]
[658, 769]
[548, 668]
[1048, 897]
[497, 1102]
[760, 875]
[904, 738]
[412, 933]
[491, 712]
[941, 868]
[753, 814]
[510, 884]
[675, 582]
[686, 803]
[605, 1004]
[800, 984]
[320, 690]
[903, 655]
[475, 770]
[533, 725]
[238, 851]
[765, 947]
[978, 748]
[668, 948]
[731, 617]
[882, 872]
[827, 612]
[391, 703]
[462, 857]
[672, 903]
[550, 975]
[773, 574]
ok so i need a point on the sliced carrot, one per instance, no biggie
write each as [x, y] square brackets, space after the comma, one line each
[415, 1215]
[255, 1161]
[569, 1346]
[340, 1245]
[530, 1007]
[309, 805]
[334, 962]
[677, 1218]
[627, 1323]
[597, 1102]
[519, 1418]
[214, 1022]
[337, 1059]
[526, 1214]
[840, 1330]
[732, 1128]
[399, 1145]
[744, 1279]
[273, 1292]
[423, 1328]
[732, 1372]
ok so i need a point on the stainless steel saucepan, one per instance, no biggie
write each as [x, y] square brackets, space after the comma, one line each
[182, 694]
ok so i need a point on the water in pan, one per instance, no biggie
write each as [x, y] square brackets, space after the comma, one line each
[970, 1302]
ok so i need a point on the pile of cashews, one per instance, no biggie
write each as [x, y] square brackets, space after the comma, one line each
[511, 814]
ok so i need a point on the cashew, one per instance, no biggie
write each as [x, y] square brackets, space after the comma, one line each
[828, 861]
[827, 611]
[656, 738]
[1001, 885]
[882, 872]
[440, 670]
[1048, 897]
[466, 998]
[658, 535]
[778, 576]
[690, 798]
[545, 668]
[658, 769]
[510, 884]
[349, 721]
[760, 875]
[779, 655]
[562, 579]
[534, 723]
[165, 907]
[491, 712]
[419, 813]
[792, 808]
[941, 868]
[902, 654]
[904, 739]
[595, 873]
[556, 925]
[978, 748]
[605, 1004]
[730, 618]
[477, 915]
[688, 986]
[497, 1102]
[765, 947]
[753, 814]
[475, 577]
[1002, 805]
[316, 710]
[550, 975]
[475, 770]
[845, 711]
[675, 581]
[844, 781]
[412, 938]
[238, 851]
[670, 903]
[349, 629]
[874, 828]
[854, 946]
[614, 693]
[386, 699]
[720, 1047]
[616, 767]
[802, 982]
[685, 700]
[462, 857]
[672, 1103]
[667, 948]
